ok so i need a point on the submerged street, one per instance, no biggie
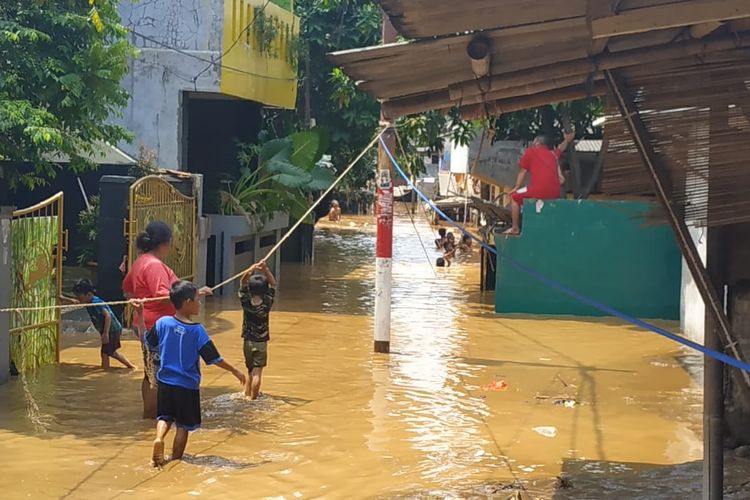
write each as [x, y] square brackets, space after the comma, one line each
[468, 404]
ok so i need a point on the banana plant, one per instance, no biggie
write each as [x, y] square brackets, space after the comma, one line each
[278, 176]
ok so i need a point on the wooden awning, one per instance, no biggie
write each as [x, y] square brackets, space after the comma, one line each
[542, 51]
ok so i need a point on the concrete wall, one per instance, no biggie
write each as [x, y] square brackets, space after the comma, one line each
[692, 309]
[159, 75]
[239, 245]
[602, 249]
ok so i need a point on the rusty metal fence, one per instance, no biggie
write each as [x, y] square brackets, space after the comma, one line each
[152, 198]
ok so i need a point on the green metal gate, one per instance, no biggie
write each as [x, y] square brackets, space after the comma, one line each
[37, 240]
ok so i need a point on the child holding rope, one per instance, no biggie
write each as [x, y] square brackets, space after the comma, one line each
[181, 344]
[257, 292]
[105, 322]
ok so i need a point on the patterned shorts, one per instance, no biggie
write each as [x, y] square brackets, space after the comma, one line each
[151, 363]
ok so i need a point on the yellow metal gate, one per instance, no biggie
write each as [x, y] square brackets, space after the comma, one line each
[152, 198]
[37, 241]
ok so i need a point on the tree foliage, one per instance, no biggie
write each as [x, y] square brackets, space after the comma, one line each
[547, 120]
[61, 63]
[351, 115]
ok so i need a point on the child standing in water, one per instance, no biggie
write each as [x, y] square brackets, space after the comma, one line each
[256, 296]
[440, 242]
[105, 322]
[334, 214]
[181, 344]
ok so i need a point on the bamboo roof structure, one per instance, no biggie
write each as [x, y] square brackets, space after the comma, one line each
[541, 51]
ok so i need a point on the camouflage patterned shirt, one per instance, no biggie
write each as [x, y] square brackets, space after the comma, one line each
[255, 316]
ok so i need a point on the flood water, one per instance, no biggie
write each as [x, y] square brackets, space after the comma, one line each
[610, 405]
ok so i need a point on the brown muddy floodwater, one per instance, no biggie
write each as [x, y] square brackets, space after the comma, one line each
[339, 422]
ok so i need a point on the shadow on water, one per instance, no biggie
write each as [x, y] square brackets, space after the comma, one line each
[593, 480]
[215, 462]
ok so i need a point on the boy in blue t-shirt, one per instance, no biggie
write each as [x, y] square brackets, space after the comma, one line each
[181, 344]
[105, 322]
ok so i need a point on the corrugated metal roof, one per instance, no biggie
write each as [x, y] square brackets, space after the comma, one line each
[542, 51]
[430, 18]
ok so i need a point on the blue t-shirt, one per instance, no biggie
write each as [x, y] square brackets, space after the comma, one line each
[180, 346]
[96, 314]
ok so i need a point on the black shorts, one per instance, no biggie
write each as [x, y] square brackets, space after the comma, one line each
[114, 343]
[179, 405]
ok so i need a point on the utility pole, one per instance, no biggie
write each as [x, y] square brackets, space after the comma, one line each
[384, 215]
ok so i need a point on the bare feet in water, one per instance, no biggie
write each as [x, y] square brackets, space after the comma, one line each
[157, 458]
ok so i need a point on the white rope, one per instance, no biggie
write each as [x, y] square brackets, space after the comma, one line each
[236, 276]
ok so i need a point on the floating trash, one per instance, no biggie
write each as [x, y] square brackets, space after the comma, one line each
[567, 403]
[497, 385]
[546, 431]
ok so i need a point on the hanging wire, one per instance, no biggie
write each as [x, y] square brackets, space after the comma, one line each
[209, 61]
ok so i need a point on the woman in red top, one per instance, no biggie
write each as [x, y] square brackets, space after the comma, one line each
[540, 160]
[150, 277]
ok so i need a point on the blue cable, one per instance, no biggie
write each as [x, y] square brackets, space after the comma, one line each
[724, 358]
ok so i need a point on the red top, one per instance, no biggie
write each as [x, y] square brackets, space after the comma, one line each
[150, 277]
[541, 162]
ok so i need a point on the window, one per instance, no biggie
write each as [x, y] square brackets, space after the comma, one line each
[244, 246]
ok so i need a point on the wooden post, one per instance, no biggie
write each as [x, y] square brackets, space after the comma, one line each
[713, 386]
[713, 370]
[6, 290]
[384, 238]
[573, 161]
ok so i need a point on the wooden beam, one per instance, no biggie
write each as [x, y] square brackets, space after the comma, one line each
[652, 39]
[597, 9]
[669, 16]
[496, 108]
[704, 29]
[663, 185]
[636, 57]
[423, 19]
[441, 100]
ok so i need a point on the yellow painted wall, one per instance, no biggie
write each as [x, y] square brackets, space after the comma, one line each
[250, 74]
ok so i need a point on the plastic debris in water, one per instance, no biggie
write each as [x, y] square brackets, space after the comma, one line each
[547, 431]
[567, 403]
[497, 385]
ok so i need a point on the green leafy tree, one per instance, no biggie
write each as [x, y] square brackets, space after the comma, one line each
[61, 63]
[278, 176]
[425, 134]
[548, 120]
[351, 115]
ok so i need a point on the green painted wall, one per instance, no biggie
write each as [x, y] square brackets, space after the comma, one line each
[603, 249]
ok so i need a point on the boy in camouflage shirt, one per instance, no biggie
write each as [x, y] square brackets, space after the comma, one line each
[257, 292]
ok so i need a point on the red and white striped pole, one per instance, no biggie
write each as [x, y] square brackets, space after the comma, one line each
[384, 214]
[383, 259]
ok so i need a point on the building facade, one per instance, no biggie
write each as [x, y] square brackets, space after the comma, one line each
[207, 60]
